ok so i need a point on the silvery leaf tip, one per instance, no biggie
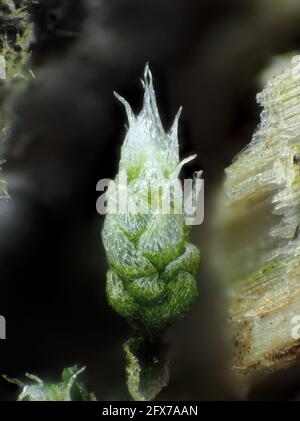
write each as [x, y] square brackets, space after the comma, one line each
[148, 151]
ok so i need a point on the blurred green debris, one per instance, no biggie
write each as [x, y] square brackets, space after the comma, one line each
[68, 389]
[15, 39]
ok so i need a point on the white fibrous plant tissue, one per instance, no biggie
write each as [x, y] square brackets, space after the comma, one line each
[258, 217]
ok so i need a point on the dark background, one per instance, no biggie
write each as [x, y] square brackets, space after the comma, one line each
[206, 55]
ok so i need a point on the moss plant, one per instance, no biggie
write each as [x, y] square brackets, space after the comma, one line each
[151, 280]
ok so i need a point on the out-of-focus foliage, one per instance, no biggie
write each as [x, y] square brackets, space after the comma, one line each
[15, 38]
